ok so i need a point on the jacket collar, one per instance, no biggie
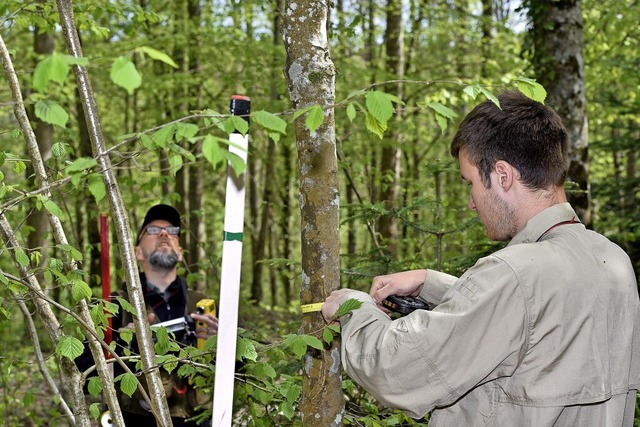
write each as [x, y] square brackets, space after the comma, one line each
[541, 223]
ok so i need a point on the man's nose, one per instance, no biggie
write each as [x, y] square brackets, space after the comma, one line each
[472, 204]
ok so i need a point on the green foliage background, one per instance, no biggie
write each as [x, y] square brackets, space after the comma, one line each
[136, 59]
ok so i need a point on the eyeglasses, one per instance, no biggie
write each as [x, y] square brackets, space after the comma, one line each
[154, 231]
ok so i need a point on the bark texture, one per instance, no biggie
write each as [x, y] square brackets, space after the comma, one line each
[557, 40]
[310, 74]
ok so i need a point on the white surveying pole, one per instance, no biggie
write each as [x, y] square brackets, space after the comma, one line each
[230, 274]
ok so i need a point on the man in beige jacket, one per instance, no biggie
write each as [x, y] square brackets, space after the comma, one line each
[544, 332]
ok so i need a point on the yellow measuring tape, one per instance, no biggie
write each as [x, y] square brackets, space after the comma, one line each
[309, 308]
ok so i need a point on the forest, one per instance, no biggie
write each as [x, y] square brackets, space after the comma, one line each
[107, 108]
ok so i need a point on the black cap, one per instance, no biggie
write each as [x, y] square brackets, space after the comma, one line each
[165, 212]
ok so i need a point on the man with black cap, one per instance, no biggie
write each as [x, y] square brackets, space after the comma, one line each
[166, 297]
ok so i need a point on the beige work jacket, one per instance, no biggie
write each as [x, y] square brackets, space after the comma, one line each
[545, 332]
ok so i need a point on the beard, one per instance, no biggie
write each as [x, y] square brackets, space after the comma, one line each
[499, 218]
[163, 260]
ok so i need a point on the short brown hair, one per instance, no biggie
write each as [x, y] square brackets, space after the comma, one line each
[525, 133]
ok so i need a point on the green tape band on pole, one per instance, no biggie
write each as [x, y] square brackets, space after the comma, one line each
[228, 236]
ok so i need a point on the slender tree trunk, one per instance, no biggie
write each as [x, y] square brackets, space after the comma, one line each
[310, 76]
[43, 44]
[157, 394]
[392, 153]
[559, 64]
[196, 189]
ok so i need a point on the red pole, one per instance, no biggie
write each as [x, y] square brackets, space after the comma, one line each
[105, 265]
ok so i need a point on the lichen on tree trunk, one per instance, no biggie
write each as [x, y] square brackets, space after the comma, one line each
[311, 79]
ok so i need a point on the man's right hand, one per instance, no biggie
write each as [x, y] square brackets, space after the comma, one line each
[404, 283]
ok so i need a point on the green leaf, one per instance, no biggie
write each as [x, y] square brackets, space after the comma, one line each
[94, 386]
[96, 187]
[374, 125]
[265, 370]
[312, 341]
[128, 383]
[235, 123]
[157, 55]
[59, 149]
[314, 118]
[327, 335]
[73, 252]
[347, 307]
[175, 163]
[379, 105]
[442, 114]
[186, 131]
[69, 347]
[296, 344]
[28, 398]
[126, 305]
[351, 112]
[50, 206]
[22, 257]
[81, 164]
[51, 112]
[169, 362]
[148, 142]
[80, 290]
[291, 391]
[125, 74]
[475, 89]
[162, 340]
[287, 410]
[126, 335]
[212, 152]
[532, 89]
[95, 410]
[164, 135]
[472, 90]
[245, 350]
[442, 110]
[237, 164]
[19, 167]
[269, 121]
[53, 67]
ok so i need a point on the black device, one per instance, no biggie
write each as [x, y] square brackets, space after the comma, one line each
[405, 304]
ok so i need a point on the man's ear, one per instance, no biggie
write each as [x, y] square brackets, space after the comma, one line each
[505, 174]
[138, 253]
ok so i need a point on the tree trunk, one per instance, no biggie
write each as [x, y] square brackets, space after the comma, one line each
[43, 44]
[310, 76]
[559, 65]
[157, 394]
[392, 153]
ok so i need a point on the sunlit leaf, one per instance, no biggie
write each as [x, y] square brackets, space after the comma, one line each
[81, 164]
[157, 55]
[51, 112]
[347, 307]
[269, 121]
[69, 347]
[124, 74]
[532, 89]
[128, 383]
[314, 119]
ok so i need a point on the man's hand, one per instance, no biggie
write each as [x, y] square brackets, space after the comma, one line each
[404, 283]
[337, 298]
[209, 326]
